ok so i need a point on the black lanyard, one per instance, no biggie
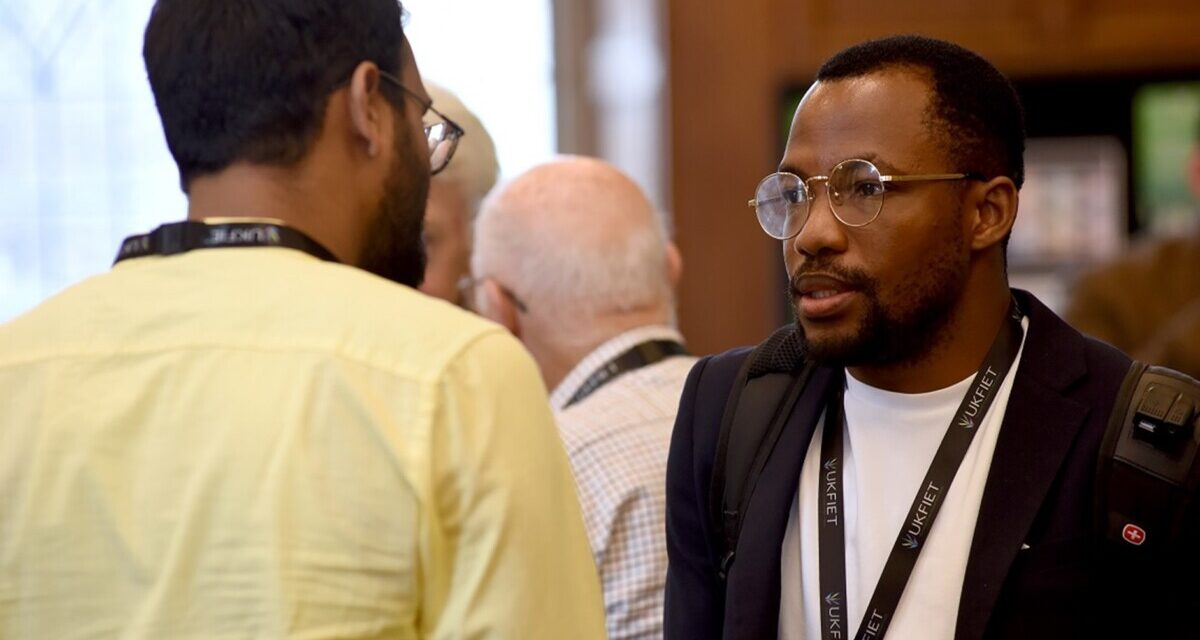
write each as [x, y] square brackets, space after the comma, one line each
[640, 355]
[925, 506]
[178, 237]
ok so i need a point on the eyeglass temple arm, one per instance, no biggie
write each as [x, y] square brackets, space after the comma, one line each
[933, 176]
[454, 126]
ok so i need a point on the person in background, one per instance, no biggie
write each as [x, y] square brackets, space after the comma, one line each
[454, 197]
[254, 426]
[572, 259]
[935, 477]
[1148, 302]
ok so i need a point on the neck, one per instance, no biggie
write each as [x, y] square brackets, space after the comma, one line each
[254, 191]
[958, 352]
[557, 353]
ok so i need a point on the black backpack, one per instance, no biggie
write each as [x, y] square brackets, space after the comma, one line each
[1147, 472]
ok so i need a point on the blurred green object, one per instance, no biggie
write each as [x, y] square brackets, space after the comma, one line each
[1165, 120]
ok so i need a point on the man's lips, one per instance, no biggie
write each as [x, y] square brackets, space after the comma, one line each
[821, 296]
[819, 286]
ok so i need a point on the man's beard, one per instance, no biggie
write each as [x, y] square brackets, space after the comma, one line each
[896, 334]
[393, 248]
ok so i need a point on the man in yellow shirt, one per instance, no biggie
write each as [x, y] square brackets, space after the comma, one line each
[243, 430]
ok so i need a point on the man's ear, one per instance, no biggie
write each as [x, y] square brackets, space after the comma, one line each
[994, 208]
[366, 107]
[499, 307]
[674, 265]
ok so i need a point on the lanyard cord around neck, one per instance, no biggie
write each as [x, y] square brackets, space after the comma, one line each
[640, 355]
[925, 507]
[180, 237]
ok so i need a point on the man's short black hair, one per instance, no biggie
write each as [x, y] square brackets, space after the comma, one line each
[249, 80]
[983, 124]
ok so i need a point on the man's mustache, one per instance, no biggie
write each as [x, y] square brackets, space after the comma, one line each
[854, 278]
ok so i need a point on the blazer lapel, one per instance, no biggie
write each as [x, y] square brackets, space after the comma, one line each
[752, 591]
[1040, 424]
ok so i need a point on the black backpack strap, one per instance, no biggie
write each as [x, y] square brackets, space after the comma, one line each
[1149, 464]
[760, 401]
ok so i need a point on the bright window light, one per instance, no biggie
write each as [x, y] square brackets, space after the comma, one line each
[498, 58]
[83, 162]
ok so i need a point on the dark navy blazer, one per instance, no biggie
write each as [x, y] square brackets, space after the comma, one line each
[1034, 569]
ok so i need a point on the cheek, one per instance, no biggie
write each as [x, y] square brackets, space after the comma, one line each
[791, 257]
[432, 238]
[437, 227]
[890, 255]
[436, 211]
[914, 261]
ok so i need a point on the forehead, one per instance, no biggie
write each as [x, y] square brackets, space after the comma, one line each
[882, 117]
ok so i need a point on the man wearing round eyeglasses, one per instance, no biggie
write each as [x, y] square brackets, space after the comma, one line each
[931, 475]
[254, 426]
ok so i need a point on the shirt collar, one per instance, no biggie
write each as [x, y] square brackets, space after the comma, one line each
[610, 349]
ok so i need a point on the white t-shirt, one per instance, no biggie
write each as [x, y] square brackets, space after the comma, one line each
[889, 443]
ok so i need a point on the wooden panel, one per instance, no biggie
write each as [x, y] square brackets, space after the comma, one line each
[573, 25]
[898, 17]
[1026, 37]
[722, 142]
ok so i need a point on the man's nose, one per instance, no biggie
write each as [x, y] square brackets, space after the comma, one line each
[822, 232]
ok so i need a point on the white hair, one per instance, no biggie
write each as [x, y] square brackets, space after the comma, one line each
[474, 168]
[594, 246]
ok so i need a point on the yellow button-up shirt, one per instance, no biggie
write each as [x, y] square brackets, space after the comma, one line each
[252, 443]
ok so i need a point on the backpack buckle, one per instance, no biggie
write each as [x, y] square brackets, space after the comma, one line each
[723, 571]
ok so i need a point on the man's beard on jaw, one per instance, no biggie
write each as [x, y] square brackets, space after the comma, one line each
[394, 248]
[887, 336]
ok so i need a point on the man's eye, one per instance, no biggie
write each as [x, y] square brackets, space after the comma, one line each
[867, 189]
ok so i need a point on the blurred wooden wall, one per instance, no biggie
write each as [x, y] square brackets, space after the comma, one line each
[731, 62]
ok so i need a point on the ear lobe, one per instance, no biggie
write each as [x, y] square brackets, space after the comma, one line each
[995, 204]
[364, 107]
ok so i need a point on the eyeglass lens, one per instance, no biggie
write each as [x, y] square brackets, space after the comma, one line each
[783, 200]
[442, 141]
[441, 137]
